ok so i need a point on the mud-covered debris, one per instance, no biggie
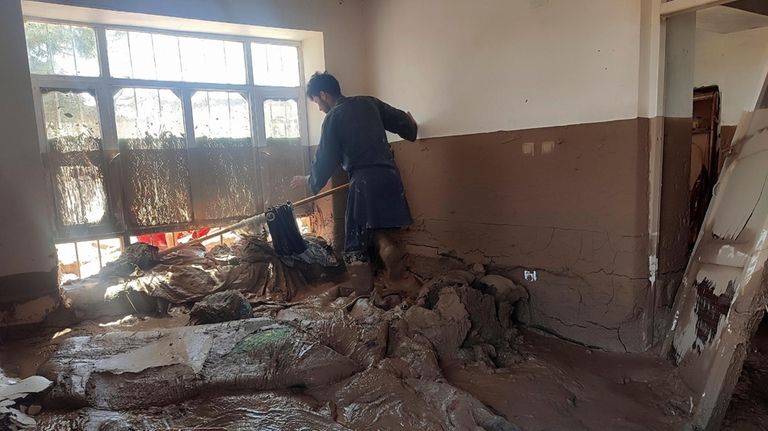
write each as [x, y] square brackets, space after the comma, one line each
[129, 370]
[220, 307]
[458, 276]
[502, 288]
[179, 284]
[446, 326]
[317, 262]
[15, 390]
[14, 416]
[255, 411]
[482, 314]
[137, 256]
[478, 270]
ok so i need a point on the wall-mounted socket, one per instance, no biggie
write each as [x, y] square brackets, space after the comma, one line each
[528, 148]
[530, 275]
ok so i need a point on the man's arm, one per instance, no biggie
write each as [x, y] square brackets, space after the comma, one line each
[397, 121]
[327, 158]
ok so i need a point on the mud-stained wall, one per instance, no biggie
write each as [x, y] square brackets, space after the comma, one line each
[27, 255]
[569, 203]
[675, 208]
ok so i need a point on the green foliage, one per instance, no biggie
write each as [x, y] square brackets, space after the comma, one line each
[81, 142]
[47, 41]
[164, 141]
[206, 142]
[283, 141]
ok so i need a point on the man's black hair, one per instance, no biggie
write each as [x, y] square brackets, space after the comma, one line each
[323, 81]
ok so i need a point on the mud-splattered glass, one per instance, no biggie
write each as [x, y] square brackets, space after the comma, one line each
[224, 153]
[60, 49]
[148, 118]
[281, 121]
[73, 135]
[154, 56]
[221, 116]
[150, 133]
[275, 65]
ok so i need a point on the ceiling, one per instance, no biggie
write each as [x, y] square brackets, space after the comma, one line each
[733, 18]
[756, 6]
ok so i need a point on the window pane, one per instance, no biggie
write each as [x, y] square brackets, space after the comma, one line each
[281, 119]
[73, 133]
[167, 57]
[275, 65]
[149, 119]
[85, 51]
[61, 49]
[110, 250]
[119, 54]
[220, 116]
[69, 269]
[71, 121]
[150, 132]
[226, 155]
[88, 253]
[141, 55]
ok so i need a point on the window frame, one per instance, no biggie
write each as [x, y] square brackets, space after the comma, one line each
[105, 87]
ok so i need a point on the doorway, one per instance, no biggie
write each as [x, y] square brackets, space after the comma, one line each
[705, 157]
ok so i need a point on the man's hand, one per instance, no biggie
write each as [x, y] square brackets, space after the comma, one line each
[413, 121]
[300, 181]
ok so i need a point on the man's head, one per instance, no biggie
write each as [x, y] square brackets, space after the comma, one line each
[324, 90]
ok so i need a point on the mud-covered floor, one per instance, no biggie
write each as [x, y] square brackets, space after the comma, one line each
[748, 410]
[541, 383]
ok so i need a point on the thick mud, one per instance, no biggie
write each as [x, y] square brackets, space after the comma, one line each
[448, 358]
[561, 386]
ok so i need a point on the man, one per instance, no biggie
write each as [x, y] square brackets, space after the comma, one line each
[354, 136]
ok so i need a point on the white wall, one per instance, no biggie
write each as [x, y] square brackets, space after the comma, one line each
[476, 66]
[680, 46]
[737, 63]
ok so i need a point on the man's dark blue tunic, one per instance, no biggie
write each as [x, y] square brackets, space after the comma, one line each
[354, 136]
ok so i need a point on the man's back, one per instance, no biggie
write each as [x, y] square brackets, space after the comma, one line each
[358, 125]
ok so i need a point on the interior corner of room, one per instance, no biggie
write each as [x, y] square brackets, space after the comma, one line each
[586, 190]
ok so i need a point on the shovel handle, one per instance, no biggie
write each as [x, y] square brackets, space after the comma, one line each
[251, 219]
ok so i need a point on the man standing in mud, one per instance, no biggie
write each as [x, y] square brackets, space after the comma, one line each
[354, 136]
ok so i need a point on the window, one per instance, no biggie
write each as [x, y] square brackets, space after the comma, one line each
[221, 119]
[139, 55]
[275, 65]
[60, 49]
[223, 140]
[73, 137]
[150, 136]
[282, 121]
[148, 131]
